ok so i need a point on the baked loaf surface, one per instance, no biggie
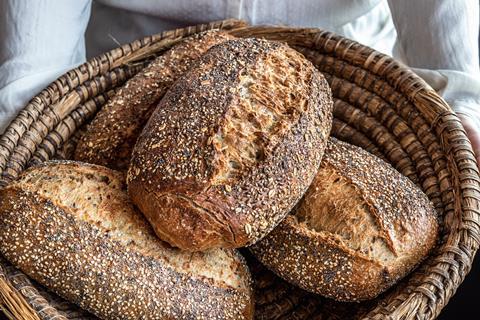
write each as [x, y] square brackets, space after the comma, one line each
[71, 227]
[111, 135]
[276, 299]
[232, 146]
[360, 227]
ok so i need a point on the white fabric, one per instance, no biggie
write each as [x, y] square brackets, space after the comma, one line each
[439, 39]
[367, 21]
[42, 39]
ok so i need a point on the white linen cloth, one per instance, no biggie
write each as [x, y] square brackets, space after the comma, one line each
[42, 39]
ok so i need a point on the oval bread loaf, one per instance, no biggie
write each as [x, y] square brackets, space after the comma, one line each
[232, 146]
[113, 132]
[360, 227]
[72, 228]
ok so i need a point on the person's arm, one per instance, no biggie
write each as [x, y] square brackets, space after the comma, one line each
[442, 36]
[40, 40]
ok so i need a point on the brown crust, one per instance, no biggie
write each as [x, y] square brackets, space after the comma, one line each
[320, 262]
[113, 132]
[87, 265]
[277, 299]
[189, 156]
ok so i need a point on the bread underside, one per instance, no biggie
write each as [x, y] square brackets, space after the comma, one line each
[72, 228]
[232, 146]
[112, 134]
[360, 227]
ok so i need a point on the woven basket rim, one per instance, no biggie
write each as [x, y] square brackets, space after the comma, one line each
[55, 113]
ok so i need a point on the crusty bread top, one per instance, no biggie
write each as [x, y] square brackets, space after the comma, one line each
[237, 137]
[392, 209]
[359, 228]
[369, 209]
[97, 195]
[247, 115]
[71, 227]
[111, 135]
[337, 210]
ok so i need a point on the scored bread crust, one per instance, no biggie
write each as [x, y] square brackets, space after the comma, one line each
[71, 227]
[111, 135]
[232, 146]
[342, 255]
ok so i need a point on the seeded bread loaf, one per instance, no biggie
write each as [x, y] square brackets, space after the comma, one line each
[72, 228]
[232, 146]
[360, 227]
[277, 299]
[111, 135]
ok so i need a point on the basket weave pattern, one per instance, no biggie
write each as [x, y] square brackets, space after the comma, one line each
[380, 105]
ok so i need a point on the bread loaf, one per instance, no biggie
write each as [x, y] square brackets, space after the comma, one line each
[277, 299]
[232, 146]
[360, 227]
[72, 228]
[111, 135]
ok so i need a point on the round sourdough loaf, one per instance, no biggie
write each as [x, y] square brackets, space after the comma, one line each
[360, 227]
[111, 136]
[232, 146]
[72, 227]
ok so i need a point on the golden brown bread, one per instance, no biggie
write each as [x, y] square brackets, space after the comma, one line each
[360, 227]
[232, 146]
[111, 135]
[71, 227]
[277, 299]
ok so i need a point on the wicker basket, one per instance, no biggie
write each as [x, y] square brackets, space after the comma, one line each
[380, 105]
